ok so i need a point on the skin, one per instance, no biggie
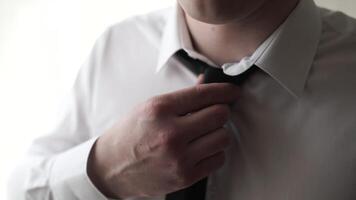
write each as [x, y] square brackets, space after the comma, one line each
[228, 30]
[171, 141]
[165, 144]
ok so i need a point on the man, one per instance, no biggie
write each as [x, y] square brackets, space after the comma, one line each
[137, 125]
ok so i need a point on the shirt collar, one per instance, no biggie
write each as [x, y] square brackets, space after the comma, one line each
[291, 54]
[286, 55]
[175, 37]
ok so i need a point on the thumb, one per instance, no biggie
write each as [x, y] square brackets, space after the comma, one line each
[200, 79]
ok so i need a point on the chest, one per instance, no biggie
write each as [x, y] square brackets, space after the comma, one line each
[301, 147]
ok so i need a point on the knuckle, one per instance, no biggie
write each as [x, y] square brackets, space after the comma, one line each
[172, 153]
[182, 175]
[228, 88]
[169, 145]
[200, 90]
[156, 106]
[179, 169]
[169, 135]
[163, 139]
[221, 113]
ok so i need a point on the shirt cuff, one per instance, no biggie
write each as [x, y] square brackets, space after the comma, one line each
[69, 178]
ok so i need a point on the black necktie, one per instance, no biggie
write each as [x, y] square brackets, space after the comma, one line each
[211, 75]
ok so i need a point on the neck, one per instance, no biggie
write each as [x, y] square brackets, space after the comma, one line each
[226, 43]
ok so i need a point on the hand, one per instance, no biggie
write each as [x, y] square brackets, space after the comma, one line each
[165, 144]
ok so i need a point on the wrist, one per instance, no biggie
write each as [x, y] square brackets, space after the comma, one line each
[96, 173]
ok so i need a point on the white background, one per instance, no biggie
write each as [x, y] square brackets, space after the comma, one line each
[42, 45]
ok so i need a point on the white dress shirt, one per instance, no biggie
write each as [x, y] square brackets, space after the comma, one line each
[296, 117]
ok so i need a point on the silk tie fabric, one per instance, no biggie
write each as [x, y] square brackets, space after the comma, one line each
[211, 75]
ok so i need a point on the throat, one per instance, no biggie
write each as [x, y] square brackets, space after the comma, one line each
[231, 42]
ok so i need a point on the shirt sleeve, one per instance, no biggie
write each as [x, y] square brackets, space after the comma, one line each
[55, 165]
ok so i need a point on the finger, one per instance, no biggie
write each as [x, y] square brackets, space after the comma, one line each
[200, 79]
[209, 165]
[208, 145]
[203, 121]
[200, 96]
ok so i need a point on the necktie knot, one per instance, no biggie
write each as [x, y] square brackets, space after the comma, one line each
[211, 74]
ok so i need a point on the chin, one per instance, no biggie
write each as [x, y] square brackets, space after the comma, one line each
[218, 11]
[215, 18]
